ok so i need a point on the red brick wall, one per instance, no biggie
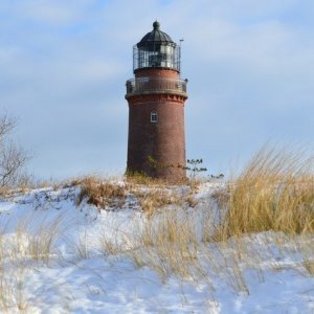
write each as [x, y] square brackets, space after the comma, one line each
[157, 72]
[163, 141]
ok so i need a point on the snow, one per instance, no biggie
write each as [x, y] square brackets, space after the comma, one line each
[81, 275]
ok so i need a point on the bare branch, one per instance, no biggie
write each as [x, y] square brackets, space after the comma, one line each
[12, 157]
[6, 126]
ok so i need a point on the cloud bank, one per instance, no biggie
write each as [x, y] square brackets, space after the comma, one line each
[64, 65]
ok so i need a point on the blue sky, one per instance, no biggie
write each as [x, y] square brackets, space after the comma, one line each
[63, 67]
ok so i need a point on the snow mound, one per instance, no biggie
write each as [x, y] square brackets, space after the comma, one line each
[60, 257]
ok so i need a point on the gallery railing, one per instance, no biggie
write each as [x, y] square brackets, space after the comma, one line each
[155, 85]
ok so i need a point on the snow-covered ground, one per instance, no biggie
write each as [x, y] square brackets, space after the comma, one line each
[60, 257]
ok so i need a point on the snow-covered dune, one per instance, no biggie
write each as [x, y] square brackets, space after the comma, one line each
[60, 257]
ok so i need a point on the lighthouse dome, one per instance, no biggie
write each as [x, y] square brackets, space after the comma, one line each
[155, 36]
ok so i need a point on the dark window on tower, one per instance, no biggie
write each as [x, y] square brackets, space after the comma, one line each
[153, 117]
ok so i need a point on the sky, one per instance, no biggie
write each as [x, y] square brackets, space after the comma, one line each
[64, 64]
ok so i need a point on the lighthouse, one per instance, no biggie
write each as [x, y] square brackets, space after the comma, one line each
[156, 97]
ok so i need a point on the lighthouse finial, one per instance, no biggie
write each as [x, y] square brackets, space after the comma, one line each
[156, 25]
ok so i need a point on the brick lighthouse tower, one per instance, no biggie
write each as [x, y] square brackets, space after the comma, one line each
[156, 96]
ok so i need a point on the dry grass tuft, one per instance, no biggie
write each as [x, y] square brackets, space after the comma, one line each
[30, 245]
[41, 244]
[150, 194]
[35, 243]
[168, 244]
[13, 298]
[221, 196]
[309, 266]
[101, 193]
[158, 194]
[274, 192]
[142, 179]
[154, 199]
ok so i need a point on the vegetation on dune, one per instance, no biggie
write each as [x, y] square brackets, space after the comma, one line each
[275, 191]
[273, 196]
[12, 159]
[101, 193]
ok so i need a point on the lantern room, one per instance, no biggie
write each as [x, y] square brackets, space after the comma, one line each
[156, 50]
